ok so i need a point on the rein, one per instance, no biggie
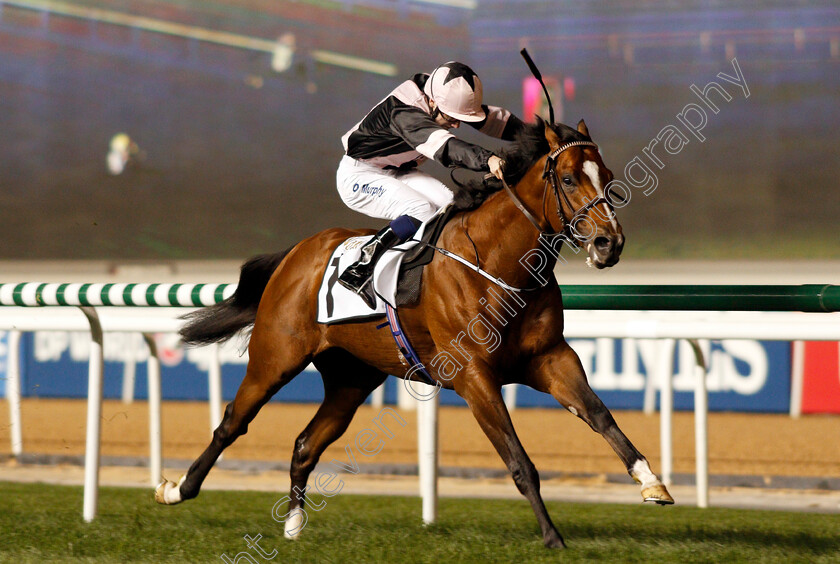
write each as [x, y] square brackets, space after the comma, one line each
[474, 267]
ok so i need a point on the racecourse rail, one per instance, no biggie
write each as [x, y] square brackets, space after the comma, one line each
[803, 298]
[656, 312]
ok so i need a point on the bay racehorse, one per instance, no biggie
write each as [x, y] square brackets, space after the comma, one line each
[555, 181]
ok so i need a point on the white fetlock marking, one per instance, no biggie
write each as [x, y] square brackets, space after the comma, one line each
[642, 473]
[174, 494]
[294, 524]
[169, 493]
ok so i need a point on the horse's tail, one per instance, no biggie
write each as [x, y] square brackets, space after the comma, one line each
[220, 322]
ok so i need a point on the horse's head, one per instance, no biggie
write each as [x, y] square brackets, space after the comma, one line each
[558, 170]
[577, 176]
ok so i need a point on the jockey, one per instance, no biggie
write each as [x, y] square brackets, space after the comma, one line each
[378, 176]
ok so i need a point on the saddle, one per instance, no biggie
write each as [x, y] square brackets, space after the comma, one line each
[397, 275]
[411, 269]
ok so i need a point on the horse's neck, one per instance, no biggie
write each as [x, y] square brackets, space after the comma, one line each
[506, 240]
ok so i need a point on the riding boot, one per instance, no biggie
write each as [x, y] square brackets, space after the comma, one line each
[358, 277]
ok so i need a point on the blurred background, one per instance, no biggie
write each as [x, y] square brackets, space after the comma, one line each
[231, 114]
[169, 140]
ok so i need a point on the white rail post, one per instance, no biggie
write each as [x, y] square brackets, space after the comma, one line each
[665, 367]
[651, 381]
[510, 396]
[427, 453]
[405, 400]
[214, 381]
[94, 415]
[797, 378]
[13, 392]
[701, 415]
[377, 397]
[129, 369]
[155, 434]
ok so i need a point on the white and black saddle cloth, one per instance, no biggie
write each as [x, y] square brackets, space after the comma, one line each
[338, 304]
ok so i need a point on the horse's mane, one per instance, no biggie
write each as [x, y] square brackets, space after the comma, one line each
[527, 148]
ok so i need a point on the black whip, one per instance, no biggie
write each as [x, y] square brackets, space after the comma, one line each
[536, 72]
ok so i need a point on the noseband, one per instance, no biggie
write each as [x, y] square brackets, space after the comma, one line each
[550, 178]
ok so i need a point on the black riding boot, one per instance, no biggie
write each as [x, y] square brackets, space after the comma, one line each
[358, 277]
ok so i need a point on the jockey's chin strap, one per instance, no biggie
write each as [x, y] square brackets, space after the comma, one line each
[550, 177]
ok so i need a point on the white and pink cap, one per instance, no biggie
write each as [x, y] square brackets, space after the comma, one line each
[457, 91]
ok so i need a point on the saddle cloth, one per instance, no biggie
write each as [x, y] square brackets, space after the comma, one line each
[396, 278]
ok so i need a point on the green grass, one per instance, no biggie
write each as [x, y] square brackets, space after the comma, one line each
[40, 523]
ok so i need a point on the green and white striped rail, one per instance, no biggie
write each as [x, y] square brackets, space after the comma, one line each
[807, 297]
[35, 294]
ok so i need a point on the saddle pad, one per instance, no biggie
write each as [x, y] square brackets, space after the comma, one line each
[338, 304]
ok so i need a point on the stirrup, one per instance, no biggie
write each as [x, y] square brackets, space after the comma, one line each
[354, 280]
[363, 290]
[358, 277]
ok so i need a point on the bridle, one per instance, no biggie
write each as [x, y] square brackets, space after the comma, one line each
[550, 178]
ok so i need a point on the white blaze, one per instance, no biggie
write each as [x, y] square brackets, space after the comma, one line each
[591, 169]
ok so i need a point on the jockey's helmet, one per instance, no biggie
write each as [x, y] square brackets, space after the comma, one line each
[457, 91]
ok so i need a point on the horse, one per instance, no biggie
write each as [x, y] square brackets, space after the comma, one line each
[554, 183]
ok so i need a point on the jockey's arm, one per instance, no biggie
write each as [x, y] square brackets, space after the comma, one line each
[499, 123]
[431, 140]
[458, 153]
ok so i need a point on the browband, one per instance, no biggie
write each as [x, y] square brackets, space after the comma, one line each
[572, 144]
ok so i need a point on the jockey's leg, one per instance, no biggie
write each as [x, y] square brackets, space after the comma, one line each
[358, 276]
[384, 194]
[432, 189]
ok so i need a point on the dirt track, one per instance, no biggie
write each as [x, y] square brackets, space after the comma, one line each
[763, 445]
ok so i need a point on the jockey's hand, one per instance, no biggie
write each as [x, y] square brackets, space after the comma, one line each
[497, 167]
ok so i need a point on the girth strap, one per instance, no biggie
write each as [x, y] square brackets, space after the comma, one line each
[404, 346]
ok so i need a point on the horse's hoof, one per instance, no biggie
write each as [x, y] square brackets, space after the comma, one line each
[658, 494]
[169, 493]
[554, 542]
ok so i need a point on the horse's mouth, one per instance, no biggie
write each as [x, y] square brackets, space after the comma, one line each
[601, 263]
[604, 251]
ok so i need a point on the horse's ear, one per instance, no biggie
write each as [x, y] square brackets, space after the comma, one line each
[551, 136]
[582, 128]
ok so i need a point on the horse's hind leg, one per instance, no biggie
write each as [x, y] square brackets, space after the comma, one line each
[274, 362]
[488, 407]
[560, 373]
[347, 383]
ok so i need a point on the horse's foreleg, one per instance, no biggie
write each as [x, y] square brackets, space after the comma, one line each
[561, 374]
[329, 423]
[488, 407]
[267, 372]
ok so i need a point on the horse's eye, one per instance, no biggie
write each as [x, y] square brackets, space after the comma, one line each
[567, 180]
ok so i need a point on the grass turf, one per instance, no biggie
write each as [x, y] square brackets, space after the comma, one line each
[42, 523]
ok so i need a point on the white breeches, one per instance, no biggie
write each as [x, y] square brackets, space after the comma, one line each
[388, 194]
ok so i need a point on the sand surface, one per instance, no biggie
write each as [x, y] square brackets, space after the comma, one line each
[744, 444]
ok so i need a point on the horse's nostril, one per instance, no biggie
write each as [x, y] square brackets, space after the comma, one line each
[602, 243]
